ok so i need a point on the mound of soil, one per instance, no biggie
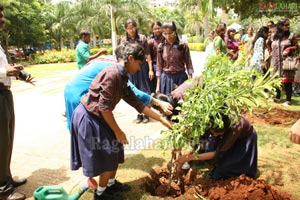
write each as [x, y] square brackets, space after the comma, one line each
[194, 185]
[275, 116]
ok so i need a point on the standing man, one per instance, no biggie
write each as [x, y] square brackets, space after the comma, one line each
[7, 122]
[83, 54]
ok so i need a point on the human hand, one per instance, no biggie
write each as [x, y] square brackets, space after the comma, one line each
[166, 107]
[179, 163]
[151, 75]
[103, 52]
[121, 137]
[294, 134]
[13, 70]
[157, 90]
[30, 80]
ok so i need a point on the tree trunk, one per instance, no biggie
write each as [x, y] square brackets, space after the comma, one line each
[6, 35]
[206, 31]
[72, 44]
[94, 41]
[197, 28]
[61, 43]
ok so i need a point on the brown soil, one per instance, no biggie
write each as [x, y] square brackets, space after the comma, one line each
[275, 116]
[194, 185]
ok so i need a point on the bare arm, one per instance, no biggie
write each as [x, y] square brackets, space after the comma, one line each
[191, 156]
[151, 73]
[102, 52]
[294, 135]
[157, 85]
[147, 111]
[110, 120]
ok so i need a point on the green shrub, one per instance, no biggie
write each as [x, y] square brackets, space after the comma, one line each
[196, 39]
[197, 46]
[96, 50]
[53, 56]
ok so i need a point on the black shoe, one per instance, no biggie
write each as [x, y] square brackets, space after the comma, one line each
[146, 119]
[18, 182]
[107, 196]
[6, 189]
[118, 187]
[139, 118]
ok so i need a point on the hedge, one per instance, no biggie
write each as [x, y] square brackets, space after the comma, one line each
[196, 46]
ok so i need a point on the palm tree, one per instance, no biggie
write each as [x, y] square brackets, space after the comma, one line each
[61, 27]
[197, 10]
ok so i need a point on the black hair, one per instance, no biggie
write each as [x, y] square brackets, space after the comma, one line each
[170, 25]
[155, 23]
[131, 21]
[270, 22]
[84, 33]
[170, 100]
[219, 27]
[1, 7]
[230, 30]
[122, 52]
[280, 33]
[126, 49]
[226, 124]
[259, 34]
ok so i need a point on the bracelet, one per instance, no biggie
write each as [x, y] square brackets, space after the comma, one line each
[151, 102]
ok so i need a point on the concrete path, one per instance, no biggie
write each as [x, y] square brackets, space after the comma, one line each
[42, 142]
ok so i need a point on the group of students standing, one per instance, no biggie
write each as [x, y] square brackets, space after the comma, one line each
[168, 59]
[268, 47]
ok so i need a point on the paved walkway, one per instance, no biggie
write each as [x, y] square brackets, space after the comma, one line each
[42, 142]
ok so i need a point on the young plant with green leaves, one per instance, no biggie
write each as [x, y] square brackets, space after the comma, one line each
[228, 89]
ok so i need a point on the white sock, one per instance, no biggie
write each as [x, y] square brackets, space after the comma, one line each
[111, 181]
[100, 190]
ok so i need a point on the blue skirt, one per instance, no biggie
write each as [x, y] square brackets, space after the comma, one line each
[140, 79]
[240, 159]
[167, 81]
[93, 144]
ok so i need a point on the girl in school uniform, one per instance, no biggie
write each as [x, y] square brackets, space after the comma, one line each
[141, 79]
[173, 60]
[233, 150]
[96, 139]
[153, 43]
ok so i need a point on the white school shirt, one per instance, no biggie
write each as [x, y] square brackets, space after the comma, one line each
[3, 62]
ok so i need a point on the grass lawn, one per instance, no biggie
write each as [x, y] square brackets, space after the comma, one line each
[278, 158]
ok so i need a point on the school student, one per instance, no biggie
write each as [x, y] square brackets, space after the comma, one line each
[141, 79]
[79, 85]
[153, 43]
[232, 148]
[174, 63]
[96, 139]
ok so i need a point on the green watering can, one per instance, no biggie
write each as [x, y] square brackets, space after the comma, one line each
[56, 193]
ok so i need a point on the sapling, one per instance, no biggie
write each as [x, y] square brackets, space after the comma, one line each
[228, 89]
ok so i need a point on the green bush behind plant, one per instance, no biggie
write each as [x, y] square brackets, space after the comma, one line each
[197, 46]
[63, 56]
